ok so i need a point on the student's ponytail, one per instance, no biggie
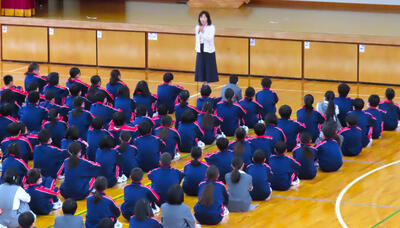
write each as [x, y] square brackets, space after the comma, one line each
[100, 184]
[329, 129]
[308, 102]
[74, 149]
[208, 119]
[229, 93]
[53, 114]
[207, 196]
[305, 140]
[183, 97]
[125, 138]
[195, 153]
[249, 93]
[77, 111]
[390, 93]
[330, 111]
[166, 122]
[239, 148]
[237, 163]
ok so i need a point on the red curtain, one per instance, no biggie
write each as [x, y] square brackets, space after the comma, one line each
[20, 8]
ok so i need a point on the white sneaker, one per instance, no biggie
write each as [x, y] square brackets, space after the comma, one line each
[57, 205]
[177, 157]
[261, 121]
[246, 128]
[156, 210]
[226, 211]
[201, 145]
[222, 135]
[370, 143]
[122, 179]
[295, 182]
[118, 224]
[61, 177]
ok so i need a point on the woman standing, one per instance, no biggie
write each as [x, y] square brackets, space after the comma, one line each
[206, 64]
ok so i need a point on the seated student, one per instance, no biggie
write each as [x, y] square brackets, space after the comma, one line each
[124, 103]
[75, 91]
[241, 147]
[56, 127]
[7, 97]
[72, 135]
[99, 205]
[32, 115]
[95, 133]
[136, 191]
[5, 120]
[221, 159]
[32, 76]
[18, 92]
[231, 113]
[115, 82]
[69, 219]
[253, 109]
[195, 172]
[291, 128]
[210, 123]
[189, 130]
[14, 161]
[168, 93]
[118, 124]
[344, 103]
[60, 92]
[329, 154]
[284, 169]
[107, 223]
[25, 146]
[266, 97]
[205, 92]
[109, 160]
[170, 136]
[49, 103]
[142, 96]
[182, 106]
[33, 138]
[43, 195]
[261, 174]
[271, 129]
[164, 177]
[26, 220]
[33, 87]
[127, 153]
[390, 121]
[174, 213]
[239, 185]
[329, 108]
[378, 114]
[261, 141]
[79, 174]
[74, 79]
[233, 81]
[140, 116]
[148, 148]
[213, 195]
[352, 137]
[306, 155]
[100, 109]
[96, 87]
[365, 121]
[162, 111]
[143, 217]
[49, 159]
[310, 117]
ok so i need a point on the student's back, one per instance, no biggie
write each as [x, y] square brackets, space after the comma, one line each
[231, 116]
[147, 101]
[109, 160]
[82, 120]
[32, 116]
[222, 160]
[148, 151]
[190, 133]
[345, 105]
[147, 223]
[49, 159]
[68, 221]
[267, 98]
[204, 99]
[172, 142]
[329, 155]
[260, 174]
[392, 115]
[167, 95]
[194, 175]
[209, 133]
[128, 158]
[254, 111]
[41, 199]
[352, 140]
[307, 169]
[276, 133]
[379, 115]
[24, 145]
[106, 208]
[180, 109]
[264, 143]
[291, 130]
[133, 193]
[239, 196]
[11, 162]
[312, 121]
[283, 171]
[247, 153]
[58, 130]
[104, 111]
[365, 122]
[126, 105]
[5, 121]
[60, 93]
[93, 139]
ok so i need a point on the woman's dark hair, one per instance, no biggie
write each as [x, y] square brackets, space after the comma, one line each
[114, 77]
[14, 149]
[141, 110]
[374, 100]
[280, 147]
[100, 96]
[69, 206]
[207, 14]
[285, 111]
[240, 135]
[249, 93]
[205, 90]
[305, 140]
[142, 88]
[259, 156]
[266, 82]
[136, 174]
[53, 117]
[74, 90]
[91, 94]
[343, 89]
[329, 129]
[195, 153]
[123, 91]
[26, 219]
[32, 67]
[144, 128]
[208, 119]
[183, 98]
[33, 176]
[118, 119]
[162, 110]
[166, 122]
[72, 133]
[308, 102]
[77, 111]
[271, 118]
[106, 142]
[97, 123]
[168, 77]
[125, 137]
[222, 143]
[74, 71]
[188, 116]
[11, 177]
[358, 104]
[237, 163]
[259, 129]
[229, 96]
[74, 149]
[207, 196]
[49, 95]
[53, 78]
[143, 210]
[106, 223]
[330, 111]
[175, 195]
[352, 120]
[44, 136]
[100, 184]
[7, 96]
[390, 93]
[6, 109]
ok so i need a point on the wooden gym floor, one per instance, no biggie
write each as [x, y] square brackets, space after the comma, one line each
[363, 193]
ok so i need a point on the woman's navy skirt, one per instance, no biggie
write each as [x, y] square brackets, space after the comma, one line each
[206, 67]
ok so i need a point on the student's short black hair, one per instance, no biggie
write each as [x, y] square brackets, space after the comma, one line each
[44, 136]
[100, 96]
[285, 111]
[74, 90]
[33, 86]
[166, 121]
[6, 109]
[280, 147]
[266, 82]
[33, 97]
[271, 118]
[259, 129]
[7, 79]
[69, 206]
[106, 142]
[50, 95]
[78, 101]
[22, 127]
[205, 90]
[141, 110]
[343, 89]
[136, 174]
[33, 176]
[162, 110]
[222, 143]
[11, 176]
[168, 77]
[72, 132]
[165, 159]
[352, 120]
[390, 93]
[95, 80]
[13, 129]
[144, 128]
[97, 123]
[233, 79]
[32, 67]
[106, 223]
[53, 78]
[123, 91]
[14, 149]
[259, 156]
[74, 71]
[189, 116]
[374, 100]
[358, 104]
[26, 219]
[175, 195]
[250, 92]
[118, 119]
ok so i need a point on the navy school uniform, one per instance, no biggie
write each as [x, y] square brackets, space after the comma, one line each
[222, 160]
[345, 105]
[147, 101]
[379, 115]
[392, 115]
[78, 182]
[127, 106]
[275, 133]
[140, 119]
[203, 99]
[213, 214]
[62, 109]
[116, 132]
[147, 223]
[49, 159]
[307, 170]
[329, 155]
[313, 123]
[108, 95]
[41, 81]
[260, 174]
[18, 164]
[194, 175]
[365, 122]
[110, 161]
[268, 99]
[33, 139]
[179, 110]
[231, 115]
[106, 112]
[291, 129]
[69, 102]
[210, 134]
[105, 208]
[128, 159]
[157, 121]
[32, 116]
[190, 134]
[264, 143]
[19, 94]
[162, 178]
[57, 130]
[247, 153]
[148, 151]
[41, 198]
[83, 122]
[167, 94]
[172, 142]
[65, 144]
[132, 194]
[113, 89]
[4, 122]
[93, 139]
[83, 86]
[284, 169]
[15, 110]
[24, 145]
[254, 112]
[352, 140]
[60, 93]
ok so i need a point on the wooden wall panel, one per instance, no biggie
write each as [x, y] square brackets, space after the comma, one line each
[172, 51]
[331, 61]
[380, 64]
[121, 49]
[73, 46]
[276, 58]
[24, 43]
[232, 55]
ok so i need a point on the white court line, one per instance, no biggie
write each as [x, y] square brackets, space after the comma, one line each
[218, 87]
[16, 69]
[345, 189]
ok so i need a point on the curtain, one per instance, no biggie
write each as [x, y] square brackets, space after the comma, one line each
[19, 8]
